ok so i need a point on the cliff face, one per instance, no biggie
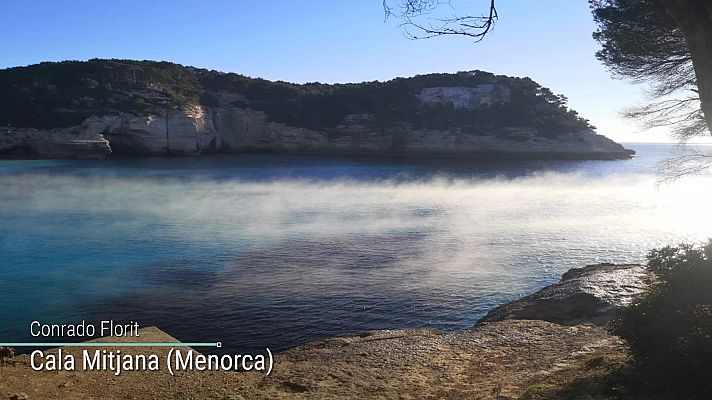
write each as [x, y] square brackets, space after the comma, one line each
[92, 109]
[74, 142]
[204, 130]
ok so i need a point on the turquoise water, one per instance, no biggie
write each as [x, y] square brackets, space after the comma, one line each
[274, 251]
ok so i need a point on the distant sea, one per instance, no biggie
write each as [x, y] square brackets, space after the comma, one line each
[275, 251]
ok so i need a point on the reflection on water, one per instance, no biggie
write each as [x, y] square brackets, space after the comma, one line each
[275, 251]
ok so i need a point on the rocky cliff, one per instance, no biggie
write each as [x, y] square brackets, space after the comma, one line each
[195, 112]
[205, 130]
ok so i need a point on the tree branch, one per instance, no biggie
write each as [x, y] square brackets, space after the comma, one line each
[418, 23]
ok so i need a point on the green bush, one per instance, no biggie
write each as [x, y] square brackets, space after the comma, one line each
[669, 328]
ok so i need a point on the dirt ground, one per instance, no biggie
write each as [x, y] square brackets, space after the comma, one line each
[501, 360]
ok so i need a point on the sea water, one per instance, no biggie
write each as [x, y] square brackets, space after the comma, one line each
[275, 251]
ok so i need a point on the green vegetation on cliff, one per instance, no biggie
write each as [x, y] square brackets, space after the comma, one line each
[60, 94]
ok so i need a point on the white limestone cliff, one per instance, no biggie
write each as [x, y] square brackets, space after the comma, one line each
[199, 130]
[466, 97]
[74, 142]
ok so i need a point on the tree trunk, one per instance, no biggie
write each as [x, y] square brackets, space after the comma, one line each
[694, 17]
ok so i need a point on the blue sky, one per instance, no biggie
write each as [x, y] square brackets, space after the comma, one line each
[327, 41]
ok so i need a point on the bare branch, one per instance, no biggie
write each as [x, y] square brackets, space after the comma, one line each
[682, 116]
[418, 21]
[693, 161]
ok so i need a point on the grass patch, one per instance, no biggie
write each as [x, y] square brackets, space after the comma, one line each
[537, 390]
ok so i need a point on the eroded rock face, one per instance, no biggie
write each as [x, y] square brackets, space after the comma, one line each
[584, 295]
[243, 130]
[176, 132]
[199, 130]
[72, 142]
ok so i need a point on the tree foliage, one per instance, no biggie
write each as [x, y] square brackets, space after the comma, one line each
[642, 42]
[51, 95]
[669, 328]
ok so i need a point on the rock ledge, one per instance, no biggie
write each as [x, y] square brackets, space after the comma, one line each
[583, 295]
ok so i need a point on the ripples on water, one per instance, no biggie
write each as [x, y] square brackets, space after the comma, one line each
[276, 251]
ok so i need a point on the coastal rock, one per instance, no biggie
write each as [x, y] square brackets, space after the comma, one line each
[72, 142]
[496, 359]
[195, 130]
[230, 129]
[172, 132]
[199, 130]
[584, 295]
[188, 132]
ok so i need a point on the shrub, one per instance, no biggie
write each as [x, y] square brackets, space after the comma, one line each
[669, 328]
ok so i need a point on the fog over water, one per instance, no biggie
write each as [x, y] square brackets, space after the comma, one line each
[277, 251]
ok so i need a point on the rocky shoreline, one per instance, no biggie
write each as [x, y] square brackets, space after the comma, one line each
[512, 353]
[224, 128]
[588, 295]
[200, 130]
